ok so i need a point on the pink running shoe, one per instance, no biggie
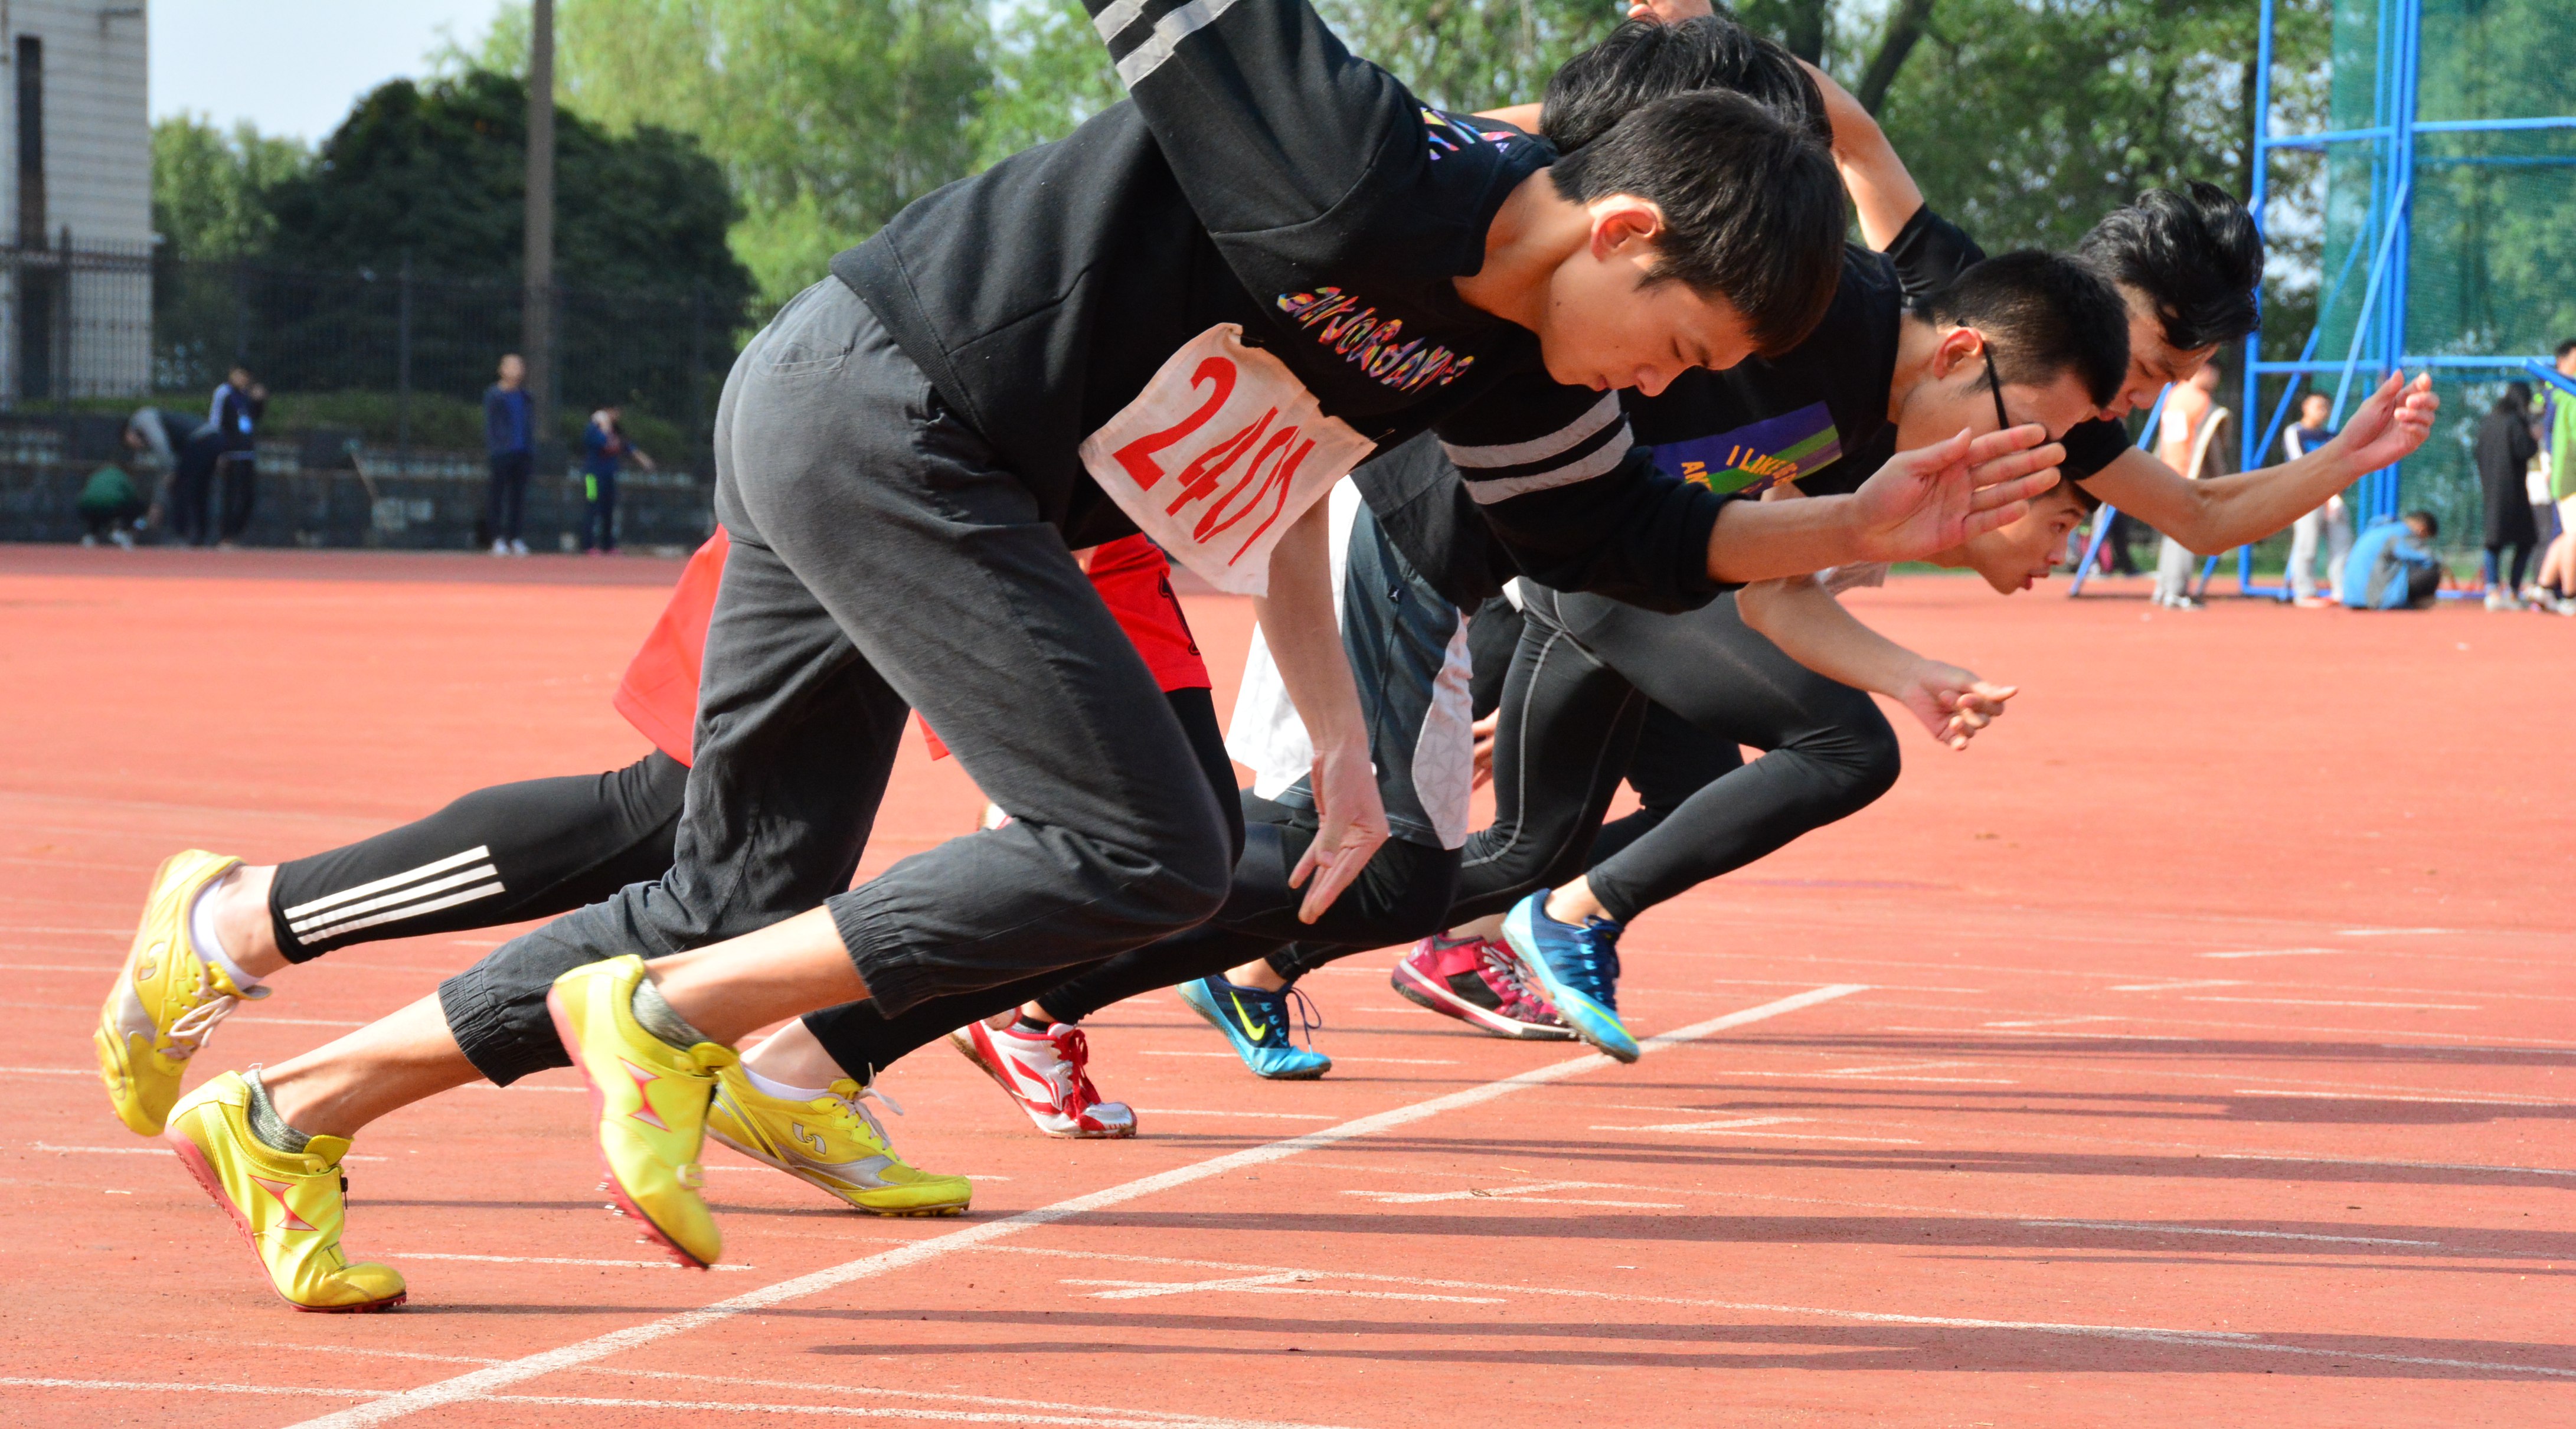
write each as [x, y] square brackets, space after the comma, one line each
[1476, 981]
[1044, 1073]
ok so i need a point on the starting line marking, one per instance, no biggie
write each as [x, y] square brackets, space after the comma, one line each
[480, 1385]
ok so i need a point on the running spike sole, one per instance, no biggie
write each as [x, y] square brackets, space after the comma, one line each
[894, 1213]
[624, 1204]
[1431, 997]
[965, 1045]
[195, 1161]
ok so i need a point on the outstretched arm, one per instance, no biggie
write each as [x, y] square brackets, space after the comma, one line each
[1812, 628]
[1925, 500]
[2223, 512]
[1306, 644]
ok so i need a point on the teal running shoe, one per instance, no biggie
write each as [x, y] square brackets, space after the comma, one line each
[1578, 969]
[1255, 1021]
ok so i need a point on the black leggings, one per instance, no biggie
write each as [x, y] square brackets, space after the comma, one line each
[1575, 707]
[506, 854]
[1402, 894]
[543, 847]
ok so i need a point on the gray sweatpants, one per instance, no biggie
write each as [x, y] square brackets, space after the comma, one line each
[883, 560]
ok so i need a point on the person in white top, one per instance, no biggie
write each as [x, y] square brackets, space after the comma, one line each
[2190, 439]
[2329, 520]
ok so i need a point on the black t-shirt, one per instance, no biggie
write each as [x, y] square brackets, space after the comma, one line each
[1261, 176]
[1928, 252]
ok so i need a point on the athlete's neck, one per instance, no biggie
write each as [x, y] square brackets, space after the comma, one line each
[1532, 234]
[1918, 345]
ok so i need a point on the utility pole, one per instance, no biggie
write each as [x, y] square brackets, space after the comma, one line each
[537, 307]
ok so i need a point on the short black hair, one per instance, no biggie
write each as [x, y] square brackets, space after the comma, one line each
[2565, 348]
[1752, 205]
[2044, 315]
[2196, 255]
[2425, 520]
[2516, 399]
[1642, 62]
[2085, 500]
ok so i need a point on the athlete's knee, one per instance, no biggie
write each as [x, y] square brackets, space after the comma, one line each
[1860, 758]
[1189, 863]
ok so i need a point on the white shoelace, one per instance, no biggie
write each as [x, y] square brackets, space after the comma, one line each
[192, 1029]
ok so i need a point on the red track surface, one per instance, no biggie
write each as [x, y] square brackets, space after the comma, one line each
[2196, 1048]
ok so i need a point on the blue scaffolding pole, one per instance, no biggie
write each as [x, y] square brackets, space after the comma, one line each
[2379, 334]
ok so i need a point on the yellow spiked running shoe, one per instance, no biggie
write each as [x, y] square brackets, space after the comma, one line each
[832, 1142]
[289, 1205]
[167, 999]
[651, 1099]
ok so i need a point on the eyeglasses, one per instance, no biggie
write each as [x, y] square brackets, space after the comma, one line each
[1995, 385]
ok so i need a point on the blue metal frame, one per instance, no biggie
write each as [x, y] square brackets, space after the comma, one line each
[2380, 329]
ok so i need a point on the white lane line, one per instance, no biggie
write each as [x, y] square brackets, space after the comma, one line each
[549, 1260]
[837, 1389]
[2171, 985]
[2278, 953]
[479, 1385]
[1742, 1126]
[2517, 1051]
[59, 967]
[2327, 1002]
[2248, 1235]
[1262, 1115]
[147, 1151]
[1991, 1031]
[1282, 1284]
[2387, 932]
[1409, 1198]
[1109, 1419]
[1338, 1059]
[2242, 1341]
[1881, 1077]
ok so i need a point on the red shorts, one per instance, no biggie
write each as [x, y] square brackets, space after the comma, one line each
[659, 695]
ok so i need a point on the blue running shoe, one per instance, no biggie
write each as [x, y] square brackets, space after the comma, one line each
[1255, 1020]
[1578, 969]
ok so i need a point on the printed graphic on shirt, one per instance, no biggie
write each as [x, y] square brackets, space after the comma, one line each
[1752, 457]
[1357, 335]
[1219, 456]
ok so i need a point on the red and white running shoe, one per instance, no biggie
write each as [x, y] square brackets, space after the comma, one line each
[1044, 1073]
[1477, 981]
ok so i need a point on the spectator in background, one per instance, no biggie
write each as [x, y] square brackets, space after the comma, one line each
[161, 439]
[2191, 441]
[2393, 566]
[2329, 520]
[2505, 450]
[108, 507]
[2557, 438]
[603, 445]
[510, 439]
[234, 416]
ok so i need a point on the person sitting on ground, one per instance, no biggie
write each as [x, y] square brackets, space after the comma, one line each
[108, 507]
[2393, 566]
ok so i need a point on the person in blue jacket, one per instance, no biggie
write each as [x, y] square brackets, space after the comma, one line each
[603, 445]
[2392, 566]
[509, 439]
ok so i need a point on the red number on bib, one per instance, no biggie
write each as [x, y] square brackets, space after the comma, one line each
[1138, 456]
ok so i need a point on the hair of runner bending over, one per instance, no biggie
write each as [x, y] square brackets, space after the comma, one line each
[1752, 206]
[2194, 253]
[2042, 315]
[1642, 62]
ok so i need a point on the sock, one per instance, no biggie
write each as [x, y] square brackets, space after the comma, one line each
[210, 944]
[266, 1126]
[1031, 1026]
[656, 1016]
[781, 1090]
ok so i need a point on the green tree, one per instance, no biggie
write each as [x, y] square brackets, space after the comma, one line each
[210, 188]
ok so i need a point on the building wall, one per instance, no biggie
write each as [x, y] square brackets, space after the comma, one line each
[98, 184]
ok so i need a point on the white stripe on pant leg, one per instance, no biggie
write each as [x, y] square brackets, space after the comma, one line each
[388, 900]
[391, 881]
[482, 1383]
[415, 910]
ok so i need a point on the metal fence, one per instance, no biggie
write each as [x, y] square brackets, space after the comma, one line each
[374, 373]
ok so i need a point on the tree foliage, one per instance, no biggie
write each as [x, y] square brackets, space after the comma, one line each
[210, 186]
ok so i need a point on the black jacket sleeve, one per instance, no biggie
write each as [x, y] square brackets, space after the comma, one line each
[1575, 502]
[1266, 120]
[1929, 251]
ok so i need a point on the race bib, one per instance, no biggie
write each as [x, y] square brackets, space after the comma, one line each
[1219, 456]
